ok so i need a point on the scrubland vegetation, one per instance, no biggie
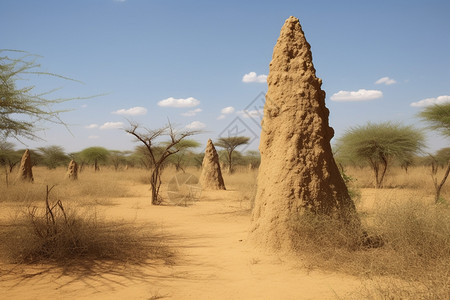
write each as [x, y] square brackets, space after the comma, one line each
[413, 261]
[71, 232]
[399, 192]
[410, 257]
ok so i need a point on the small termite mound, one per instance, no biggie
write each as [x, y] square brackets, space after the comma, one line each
[72, 170]
[211, 176]
[26, 168]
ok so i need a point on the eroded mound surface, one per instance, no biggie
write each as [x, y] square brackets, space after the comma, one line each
[297, 171]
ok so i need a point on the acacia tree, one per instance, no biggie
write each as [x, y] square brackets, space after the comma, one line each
[229, 144]
[118, 158]
[141, 157]
[438, 118]
[381, 144]
[179, 159]
[435, 163]
[253, 158]
[95, 155]
[9, 158]
[53, 156]
[21, 108]
[442, 157]
[149, 137]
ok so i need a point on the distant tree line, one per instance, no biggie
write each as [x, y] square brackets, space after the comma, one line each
[98, 157]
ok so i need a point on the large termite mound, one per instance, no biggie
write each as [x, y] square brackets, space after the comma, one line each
[297, 172]
[25, 169]
[211, 176]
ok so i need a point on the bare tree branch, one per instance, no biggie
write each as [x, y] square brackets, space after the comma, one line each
[148, 138]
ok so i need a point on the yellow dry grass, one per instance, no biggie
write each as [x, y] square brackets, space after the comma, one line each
[413, 263]
[71, 232]
[415, 258]
[91, 187]
[417, 178]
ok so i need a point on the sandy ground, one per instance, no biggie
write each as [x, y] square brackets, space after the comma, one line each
[213, 261]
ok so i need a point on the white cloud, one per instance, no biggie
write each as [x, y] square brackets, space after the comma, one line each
[112, 125]
[252, 77]
[134, 111]
[359, 95]
[191, 113]
[386, 81]
[432, 101]
[91, 126]
[221, 117]
[195, 125]
[93, 137]
[251, 113]
[172, 102]
[84, 106]
[227, 110]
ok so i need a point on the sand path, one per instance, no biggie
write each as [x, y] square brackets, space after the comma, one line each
[214, 261]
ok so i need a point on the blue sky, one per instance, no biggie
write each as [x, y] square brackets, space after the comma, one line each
[202, 64]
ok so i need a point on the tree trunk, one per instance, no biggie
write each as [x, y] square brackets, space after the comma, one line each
[6, 176]
[385, 166]
[230, 165]
[153, 186]
[11, 167]
[439, 186]
[155, 182]
[178, 167]
[375, 168]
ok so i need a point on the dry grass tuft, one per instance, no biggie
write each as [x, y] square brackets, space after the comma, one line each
[79, 238]
[44, 231]
[416, 248]
[414, 229]
[24, 193]
[314, 232]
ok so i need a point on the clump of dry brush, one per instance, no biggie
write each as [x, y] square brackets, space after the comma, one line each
[50, 233]
[416, 247]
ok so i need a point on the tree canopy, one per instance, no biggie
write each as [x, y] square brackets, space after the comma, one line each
[21, 108]
[53, 156]
[94, 155]
[438, 118]
[229, 144]
[381, 144]
[184, 148]
[442, 156]
[8, 156]
[158, 153]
